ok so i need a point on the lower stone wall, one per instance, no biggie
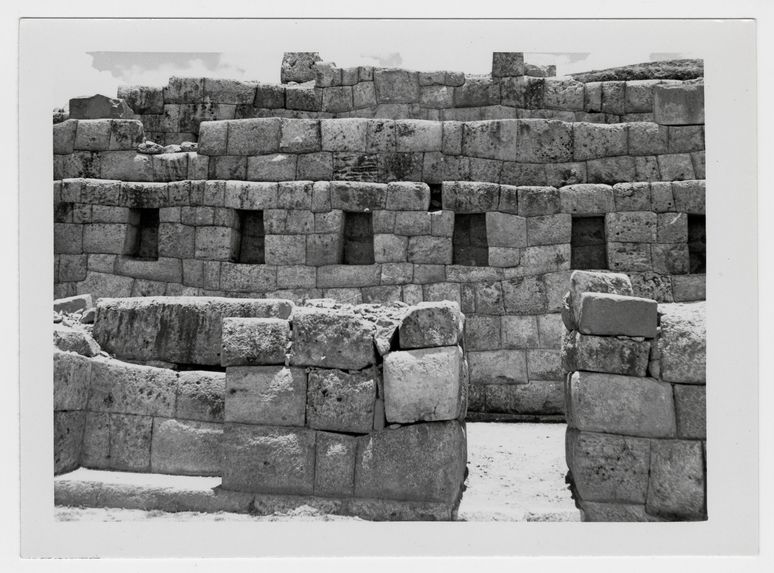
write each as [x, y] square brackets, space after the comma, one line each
[636, 403]
[364, 405]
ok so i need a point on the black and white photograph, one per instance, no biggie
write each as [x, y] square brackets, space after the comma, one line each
[342, 275]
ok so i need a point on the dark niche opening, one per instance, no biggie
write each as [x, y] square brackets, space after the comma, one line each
[251, 244]
[588, 244]
[697, 244]
[142, 234]
[469, 244]
[358, 239]
[436, 197]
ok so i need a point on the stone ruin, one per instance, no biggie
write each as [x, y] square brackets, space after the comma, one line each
[386, 186]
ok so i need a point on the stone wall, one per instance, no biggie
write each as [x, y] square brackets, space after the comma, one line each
[513, 152]
[363, 406]
[636, 403]
[173, 114]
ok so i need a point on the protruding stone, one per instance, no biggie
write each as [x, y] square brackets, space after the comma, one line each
[613, 355]
[99, 107]
[423, 385]
[617, 315]
[75, 340]
[431, 324]
[682, 343]
[588, 281]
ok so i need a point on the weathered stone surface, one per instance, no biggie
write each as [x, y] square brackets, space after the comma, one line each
[68, 436]
[677, 480]
[416, 462]
[595, 140]
[98, 107]
[506, 230]
[129, 442]
[682, 343]
[151, 328]
[498, 366]
[253, 136]
[254, 341]
[335, 464]
[586, 199]
[423, 385]
[341, 402]
[266, 459]
[614, 512]
[266, 395]
[490, 139]
[690, 196]
[331, 339]
[200, 396]
[600, 282]
[431, 324]
[536, 397]
[507, 64]
[470, 197]
[298, 66]
[75, 340]
[681, 104]
[691, 411]
[621, 404]
[120, 387]
[610, 354]
[72, 373]
[609, 468]
[617, 315]
[689, 288]
[396, 86]
[184, 447]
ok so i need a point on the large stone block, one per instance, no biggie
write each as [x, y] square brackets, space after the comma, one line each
[396, 86]
[614, 355]
[341, 402]
[470, 197]
[102, 285]
[200, 396]
[98, 107]
[601, 282]
[416, 462]
[68, 436]
[536, 397]
[524, 295]
[298, 66]
[265, 459]
[682, 343]
[505, 64]
[616, 315]
[64, 136]
[431, 324]
[595, 140]
[563, 94]
[331, 339]
[334, 474]
[253, 136]
[344, 134]
[631, 227]
[490, 139]
[621, 405]
[183, 447]
[587, 199]
[418, 135]
[356, 196]
[477, 92]
[124, 388]
[544, 141]
[248, 278]
[75, 340]
[608, 468]
[678, 104]
[151, 328]
[431, 250]
[498, 366]
[691, 411]
[533, 201]
[677, 480]
[92, 135]
[407, 196]
[129, 442]
[506, 230]
[254, 341]
[423, 385]
[265, 395]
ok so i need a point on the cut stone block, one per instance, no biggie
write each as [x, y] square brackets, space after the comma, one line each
[506, 230]
[72, 373]
[331, 339]
[416, 462]
[335, 465]
[617, 315]
[298, 66]
[631, 227]
[120, 387]
[691, 411]
[266, 395]
[682, 343]
[184, 447]
[498, 366]
[200, 396]
[431, 324]
[681, 104]
[677, 480]
[341, 402]
[621, 405]
[74, 340]
[130, 442]
[98, 107]
[254, 341]
[68, 436]
[608, 468]
[151, 328]
[265, 459]
[423, 385]
[606, 354]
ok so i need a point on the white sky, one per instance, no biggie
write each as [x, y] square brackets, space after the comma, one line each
[253, 51]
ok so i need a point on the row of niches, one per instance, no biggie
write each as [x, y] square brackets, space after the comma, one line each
[470, 238]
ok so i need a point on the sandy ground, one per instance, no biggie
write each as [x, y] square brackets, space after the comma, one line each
[515, 473]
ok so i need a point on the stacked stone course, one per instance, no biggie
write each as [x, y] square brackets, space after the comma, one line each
[636, 402]
[358, 408]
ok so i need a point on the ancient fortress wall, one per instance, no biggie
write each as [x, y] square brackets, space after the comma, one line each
[357, 408]
[636, 403]
[493, 214]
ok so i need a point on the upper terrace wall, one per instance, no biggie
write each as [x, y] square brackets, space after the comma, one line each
[172, 114]
[513, 152]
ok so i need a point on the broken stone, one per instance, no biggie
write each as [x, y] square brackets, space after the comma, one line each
[99, 107]
[74, 340]
[431, 324]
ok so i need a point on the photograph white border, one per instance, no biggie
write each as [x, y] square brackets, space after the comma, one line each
[728, 49]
